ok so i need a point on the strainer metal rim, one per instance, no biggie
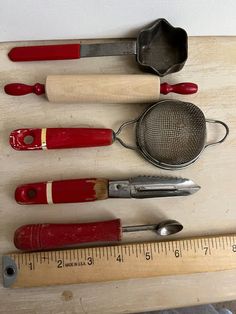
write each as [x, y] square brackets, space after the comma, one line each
[156, 162]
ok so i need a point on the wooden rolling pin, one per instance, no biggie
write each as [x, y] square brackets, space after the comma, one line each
[105, 88]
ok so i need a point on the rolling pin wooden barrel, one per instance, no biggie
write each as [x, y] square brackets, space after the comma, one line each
[105, 88]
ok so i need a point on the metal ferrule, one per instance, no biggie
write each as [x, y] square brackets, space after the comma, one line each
[148, 187]
[120, 189]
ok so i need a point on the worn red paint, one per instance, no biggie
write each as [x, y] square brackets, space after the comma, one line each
[33, 193]
[64, 191]
[57, 138]
[52, 236]
[17, 138]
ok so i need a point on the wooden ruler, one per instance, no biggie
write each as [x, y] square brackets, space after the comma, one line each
[119, 262]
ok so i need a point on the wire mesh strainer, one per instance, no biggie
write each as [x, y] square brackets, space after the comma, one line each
[171, 134]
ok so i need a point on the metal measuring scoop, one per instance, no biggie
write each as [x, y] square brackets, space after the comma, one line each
[160, 48]
[164, 228]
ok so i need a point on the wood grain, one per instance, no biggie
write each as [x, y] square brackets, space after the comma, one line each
[118, 262]
[104, 88]
[212, 65]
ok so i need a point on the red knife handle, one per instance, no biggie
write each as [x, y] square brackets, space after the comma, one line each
[66, 191]
[56, 138]
[48, 52]
[51, 236]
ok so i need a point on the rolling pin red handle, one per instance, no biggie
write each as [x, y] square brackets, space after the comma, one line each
[64, 191]
[181, 88]
[40, 53]
[19, 89]
[58, 138]
[51, 236]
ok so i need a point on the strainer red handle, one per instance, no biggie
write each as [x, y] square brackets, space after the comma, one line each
[57, 138]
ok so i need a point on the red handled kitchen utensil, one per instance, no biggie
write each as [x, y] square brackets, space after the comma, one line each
[51, 236]
[169, 134]
[161, 48]
[86, 190]
[101, 88]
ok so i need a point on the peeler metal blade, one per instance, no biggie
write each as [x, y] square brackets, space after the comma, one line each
[152, 186]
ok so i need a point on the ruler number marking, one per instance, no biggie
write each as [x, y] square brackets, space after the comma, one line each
[177, 253]
[90, 260]
[147, 256]
[234, 248]
[60, 263]
[205, 248]
[119, 259]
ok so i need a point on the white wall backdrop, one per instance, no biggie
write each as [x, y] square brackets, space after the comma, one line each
[69, 19]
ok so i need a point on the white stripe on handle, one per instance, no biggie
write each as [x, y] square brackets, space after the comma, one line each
[49, 192]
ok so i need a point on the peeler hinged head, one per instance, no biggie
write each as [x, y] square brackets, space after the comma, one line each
[152, 186]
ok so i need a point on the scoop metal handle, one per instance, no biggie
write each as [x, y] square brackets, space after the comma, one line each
[226, 132]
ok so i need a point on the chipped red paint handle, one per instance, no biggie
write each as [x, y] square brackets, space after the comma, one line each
[48, 52]
[51, 236]
[65, 191]
[57, 138]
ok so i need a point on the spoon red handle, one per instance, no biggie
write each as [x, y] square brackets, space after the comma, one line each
[48, 52]
[51, 236]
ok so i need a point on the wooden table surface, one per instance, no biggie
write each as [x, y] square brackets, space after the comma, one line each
[212, 65]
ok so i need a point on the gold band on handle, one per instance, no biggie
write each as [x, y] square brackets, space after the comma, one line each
[43, 138]
[49, 192]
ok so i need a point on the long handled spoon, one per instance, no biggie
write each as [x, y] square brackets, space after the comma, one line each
[160, 47]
